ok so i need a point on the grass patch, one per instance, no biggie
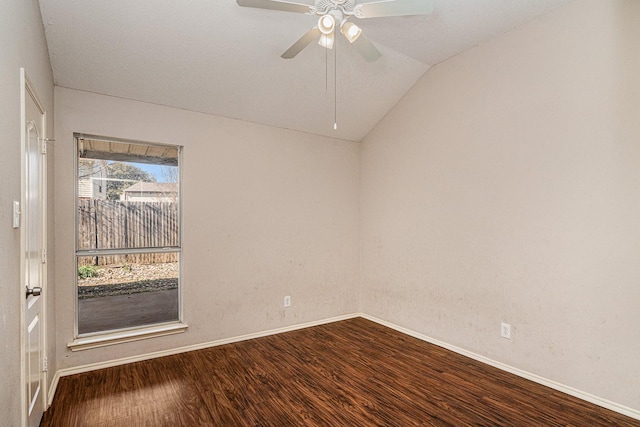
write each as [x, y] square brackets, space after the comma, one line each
[86, 271]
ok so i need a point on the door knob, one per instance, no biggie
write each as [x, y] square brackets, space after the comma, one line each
[35, 291]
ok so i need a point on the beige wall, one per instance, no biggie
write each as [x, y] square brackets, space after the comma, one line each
[267, 212]
[22, 44]
[505, 186]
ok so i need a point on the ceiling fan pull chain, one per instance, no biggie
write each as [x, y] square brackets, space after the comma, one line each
[335, 87]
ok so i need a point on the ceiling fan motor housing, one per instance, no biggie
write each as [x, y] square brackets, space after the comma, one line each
[344, 7]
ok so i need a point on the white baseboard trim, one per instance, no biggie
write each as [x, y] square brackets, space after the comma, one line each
[624, 410]
[170, 352]
[52, 388]
[632, 413]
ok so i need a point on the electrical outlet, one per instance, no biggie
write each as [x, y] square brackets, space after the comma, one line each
[505, 330]
[287, 301]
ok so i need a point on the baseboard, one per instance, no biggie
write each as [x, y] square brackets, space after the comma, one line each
[170, 352]
[52, 388]
[624, 410]
[632, 413]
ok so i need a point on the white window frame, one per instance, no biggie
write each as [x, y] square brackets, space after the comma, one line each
[111, 337]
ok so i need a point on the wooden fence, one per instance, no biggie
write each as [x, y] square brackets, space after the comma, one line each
[106, 224]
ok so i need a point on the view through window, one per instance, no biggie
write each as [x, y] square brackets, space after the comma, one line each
[127, 234]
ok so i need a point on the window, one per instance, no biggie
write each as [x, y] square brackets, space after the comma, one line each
[128, 238]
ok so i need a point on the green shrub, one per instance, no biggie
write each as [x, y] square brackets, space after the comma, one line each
[86, 271]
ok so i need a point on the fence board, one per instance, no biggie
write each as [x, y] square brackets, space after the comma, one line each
[108, 224]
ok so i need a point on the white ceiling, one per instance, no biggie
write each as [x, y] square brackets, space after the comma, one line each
[215, 57]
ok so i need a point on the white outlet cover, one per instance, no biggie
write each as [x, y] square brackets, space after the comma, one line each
[505, 330]
[287, 301]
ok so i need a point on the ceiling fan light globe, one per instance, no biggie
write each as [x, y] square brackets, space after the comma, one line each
[326, 24]
[326, 40]
[351, 31]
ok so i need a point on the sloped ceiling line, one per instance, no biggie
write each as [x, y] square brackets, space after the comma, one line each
[214, 57]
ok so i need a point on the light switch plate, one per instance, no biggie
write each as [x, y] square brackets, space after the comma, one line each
[16, 214]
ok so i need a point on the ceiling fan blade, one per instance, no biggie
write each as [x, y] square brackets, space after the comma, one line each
[369, 52]
[302, 42]
[285, 6]
[383, 8]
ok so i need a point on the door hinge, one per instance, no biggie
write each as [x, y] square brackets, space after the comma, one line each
[44, 141]
[45, 364]
[44, 255]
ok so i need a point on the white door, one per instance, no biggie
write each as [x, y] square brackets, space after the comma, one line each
[33, 255]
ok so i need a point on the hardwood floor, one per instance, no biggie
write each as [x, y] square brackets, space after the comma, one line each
[349, 373]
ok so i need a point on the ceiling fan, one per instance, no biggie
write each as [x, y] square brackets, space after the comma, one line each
[335, 14]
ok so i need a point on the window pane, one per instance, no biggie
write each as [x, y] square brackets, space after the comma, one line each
[128, 236]
[127, 195]
[122, 291]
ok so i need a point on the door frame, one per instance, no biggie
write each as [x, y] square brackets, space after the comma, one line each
[27, 90]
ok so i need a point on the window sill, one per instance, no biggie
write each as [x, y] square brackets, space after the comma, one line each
[118, 337]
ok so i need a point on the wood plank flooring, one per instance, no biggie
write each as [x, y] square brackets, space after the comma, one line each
[349, 373]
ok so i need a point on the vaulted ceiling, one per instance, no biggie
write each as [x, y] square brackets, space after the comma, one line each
[215, 57]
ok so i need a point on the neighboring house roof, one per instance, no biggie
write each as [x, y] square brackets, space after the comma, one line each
[152, 187]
